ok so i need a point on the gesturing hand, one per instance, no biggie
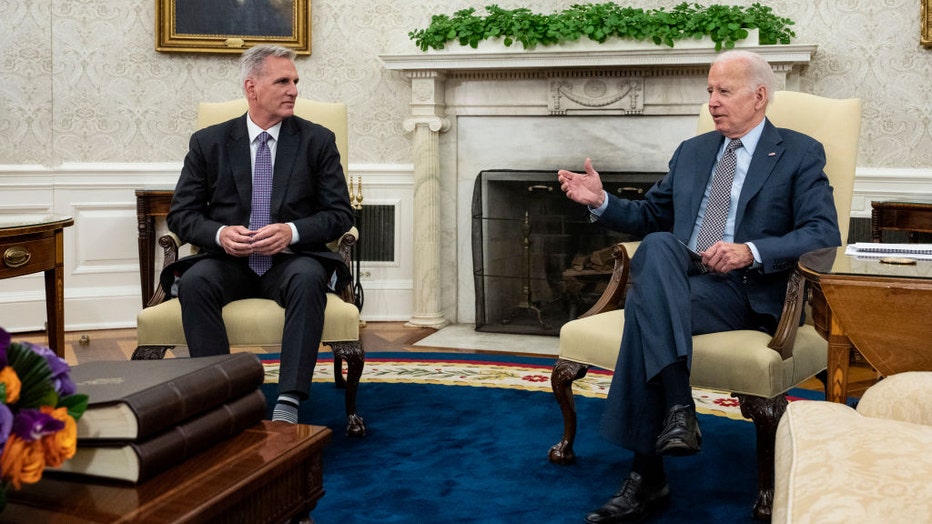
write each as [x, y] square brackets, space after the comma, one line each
[584, 188]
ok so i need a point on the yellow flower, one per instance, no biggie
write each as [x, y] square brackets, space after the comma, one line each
[61, 445]
[9, 377]
[22, 462]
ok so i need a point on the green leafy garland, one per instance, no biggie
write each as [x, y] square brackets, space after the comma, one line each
[724, 24]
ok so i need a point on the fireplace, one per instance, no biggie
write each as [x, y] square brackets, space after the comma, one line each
[537, 260]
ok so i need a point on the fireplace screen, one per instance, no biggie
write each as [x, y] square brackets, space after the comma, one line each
[538, 262]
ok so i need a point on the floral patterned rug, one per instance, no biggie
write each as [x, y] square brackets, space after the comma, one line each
[510, 372]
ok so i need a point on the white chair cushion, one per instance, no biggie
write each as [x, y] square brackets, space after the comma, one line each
[736, 361]
[249, 322]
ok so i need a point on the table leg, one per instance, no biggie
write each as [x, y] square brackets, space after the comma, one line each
[839, 354]
[55, 309]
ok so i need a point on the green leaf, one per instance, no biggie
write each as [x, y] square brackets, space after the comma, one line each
[33, 372]
[76, 404]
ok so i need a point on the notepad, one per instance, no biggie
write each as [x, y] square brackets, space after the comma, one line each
[881, 250]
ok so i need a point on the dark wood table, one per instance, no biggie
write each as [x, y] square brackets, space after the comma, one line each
[271, 472]
[150, 204]
[912, 217]
[882, 310]
[33, 243]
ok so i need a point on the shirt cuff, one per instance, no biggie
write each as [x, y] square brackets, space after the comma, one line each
[757, 260]
[294, 233]
[217, 236]
[597, 211]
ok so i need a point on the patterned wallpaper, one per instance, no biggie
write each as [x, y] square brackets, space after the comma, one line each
[82, 82]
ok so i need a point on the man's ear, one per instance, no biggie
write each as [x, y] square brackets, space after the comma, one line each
[760, 97]
[249, 88]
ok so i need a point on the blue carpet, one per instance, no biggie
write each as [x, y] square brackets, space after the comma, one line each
[439, 453]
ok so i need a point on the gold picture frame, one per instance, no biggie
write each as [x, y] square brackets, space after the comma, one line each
[925, 20]
[231, 26]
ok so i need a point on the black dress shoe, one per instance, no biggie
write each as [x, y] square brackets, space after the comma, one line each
[632, 502]
[680, 435]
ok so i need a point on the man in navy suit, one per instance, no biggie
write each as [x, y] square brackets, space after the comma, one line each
[307, 207]
[778, 206]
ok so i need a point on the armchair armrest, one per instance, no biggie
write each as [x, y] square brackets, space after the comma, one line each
[785, 336]
[170, 244]
[613, 297]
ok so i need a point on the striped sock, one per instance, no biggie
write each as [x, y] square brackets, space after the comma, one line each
[286, 409]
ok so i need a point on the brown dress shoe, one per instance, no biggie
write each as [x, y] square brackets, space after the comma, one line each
[632, 502]
[680, 435]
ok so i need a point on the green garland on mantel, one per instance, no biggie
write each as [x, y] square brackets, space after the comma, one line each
[725, 25]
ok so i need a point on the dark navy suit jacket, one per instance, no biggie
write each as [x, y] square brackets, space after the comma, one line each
[786, 206]
[308, 189]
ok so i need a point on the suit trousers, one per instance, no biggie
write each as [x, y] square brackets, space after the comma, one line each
[297, 283]
[670, 300]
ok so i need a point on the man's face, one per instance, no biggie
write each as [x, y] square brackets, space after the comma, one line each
[272, 93]
[735, 106]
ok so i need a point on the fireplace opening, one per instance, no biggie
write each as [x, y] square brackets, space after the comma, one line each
[537, 260]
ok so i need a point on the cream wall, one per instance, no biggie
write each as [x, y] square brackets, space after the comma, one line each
[89, 111]
[81, 81]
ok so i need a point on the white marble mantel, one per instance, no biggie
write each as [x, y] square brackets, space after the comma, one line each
[487, 109]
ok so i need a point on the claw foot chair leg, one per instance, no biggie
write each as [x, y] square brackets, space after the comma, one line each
[561, 380]
[766, 413]
[355, 356]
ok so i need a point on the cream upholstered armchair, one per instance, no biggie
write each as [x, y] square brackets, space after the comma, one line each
[259, 322]
[755, 367]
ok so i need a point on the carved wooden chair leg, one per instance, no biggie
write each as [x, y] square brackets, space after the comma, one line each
[561, 380]
[355, 357]
[766, 413]
[150, 352]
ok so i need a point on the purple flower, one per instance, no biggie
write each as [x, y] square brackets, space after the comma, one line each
[60, 369]
[6, 424]
[5, 339]
[31, 425]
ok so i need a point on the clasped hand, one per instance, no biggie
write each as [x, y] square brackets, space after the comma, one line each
[723, 257]
[241, 241]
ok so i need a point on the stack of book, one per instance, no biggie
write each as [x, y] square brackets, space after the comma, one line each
[145, 416]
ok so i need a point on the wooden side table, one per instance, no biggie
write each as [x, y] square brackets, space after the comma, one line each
[272, 472]
[150, 203]
[881, 310]
[913, 217]
[33, 243]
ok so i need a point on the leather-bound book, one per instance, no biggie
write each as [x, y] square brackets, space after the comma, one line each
[137, 461]
[135, 399]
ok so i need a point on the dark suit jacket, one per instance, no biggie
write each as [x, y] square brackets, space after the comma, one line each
[308, 189]
[786, 206]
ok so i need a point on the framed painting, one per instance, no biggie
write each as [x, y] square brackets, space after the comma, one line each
[925, 19]
[231, 26]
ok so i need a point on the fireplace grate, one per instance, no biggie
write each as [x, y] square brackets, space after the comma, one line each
[537, 260]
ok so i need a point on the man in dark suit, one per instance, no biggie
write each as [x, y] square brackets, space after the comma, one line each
[262, 195]
[765, 201]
